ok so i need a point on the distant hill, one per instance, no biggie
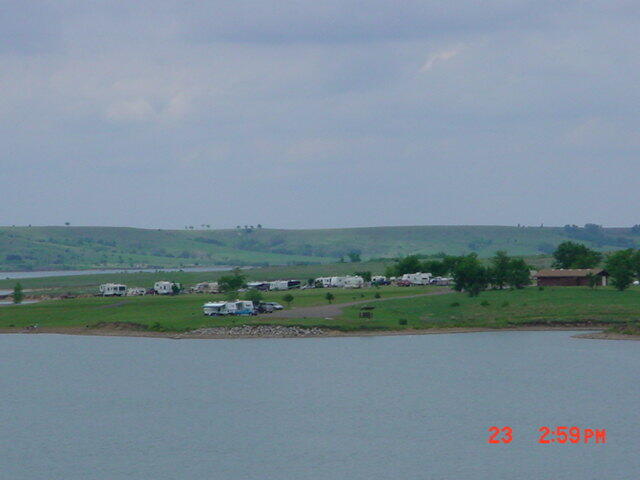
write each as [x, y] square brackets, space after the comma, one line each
[25, 248]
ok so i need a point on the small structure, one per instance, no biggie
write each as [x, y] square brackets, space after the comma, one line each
[418, 278]
[112, 290]
[583, 277]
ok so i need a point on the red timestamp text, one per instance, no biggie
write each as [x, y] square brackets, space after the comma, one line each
[552, 435]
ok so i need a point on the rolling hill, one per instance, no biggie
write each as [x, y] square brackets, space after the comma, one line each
[36, 248]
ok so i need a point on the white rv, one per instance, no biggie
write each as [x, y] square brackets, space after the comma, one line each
[279, 285]
[353, 282]
[417, 278]
[164, 287]
[136, 291]
[112, 290]
[218, 308]
[325, 282]
[206, 287]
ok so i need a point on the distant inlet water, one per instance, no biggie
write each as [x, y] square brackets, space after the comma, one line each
[65, 273]
[360, 408]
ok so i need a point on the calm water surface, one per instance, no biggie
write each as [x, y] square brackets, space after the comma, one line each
[67, 273]
[347, 408]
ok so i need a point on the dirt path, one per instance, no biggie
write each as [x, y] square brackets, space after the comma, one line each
[335, 309]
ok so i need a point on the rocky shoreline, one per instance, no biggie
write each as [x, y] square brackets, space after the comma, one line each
[268, 331]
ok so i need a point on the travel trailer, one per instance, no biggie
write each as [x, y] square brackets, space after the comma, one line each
[417, 278]
[218, 308]
[165, 288]
[258, 286]
[323, 282]
[279, 285]
[112, 290]
[244, 307]
[206, 287]
[353, 282]
[136, 291]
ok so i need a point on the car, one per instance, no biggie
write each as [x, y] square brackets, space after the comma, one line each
[275, 305]
[265, 308]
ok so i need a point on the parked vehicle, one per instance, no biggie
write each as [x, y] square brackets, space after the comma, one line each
[279, 285]
[166, 288]
[441, 281]
[205, 287]
[418, 278]
[112, 290]
[291, 284]
[244, 307]
[136, 291]
[323, 282]
[218, 308]
[275, 305]
[379, 280]
[264, 307]
[258, 286]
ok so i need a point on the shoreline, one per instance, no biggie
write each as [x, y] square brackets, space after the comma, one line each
[593, 333]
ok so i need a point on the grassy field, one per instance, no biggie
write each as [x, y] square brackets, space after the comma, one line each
[494, 309]
[506, 308]
[171, 313]
[40, 248]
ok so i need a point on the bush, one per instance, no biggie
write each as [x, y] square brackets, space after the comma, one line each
[484, 303]
[505, 304]
[455, 304]
[540, 288]
[402, 321]
[377, 295]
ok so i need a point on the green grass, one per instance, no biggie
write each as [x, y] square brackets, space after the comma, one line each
[499, 309]
[177, 313]
[60, 248]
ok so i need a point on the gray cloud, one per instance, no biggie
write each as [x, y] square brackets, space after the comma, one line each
[303, 114]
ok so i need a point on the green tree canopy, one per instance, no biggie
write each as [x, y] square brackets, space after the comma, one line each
[231, 283]
[470, 276]
[575, 255]
[621, 268]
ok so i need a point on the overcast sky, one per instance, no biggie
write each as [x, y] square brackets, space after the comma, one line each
[330, 113]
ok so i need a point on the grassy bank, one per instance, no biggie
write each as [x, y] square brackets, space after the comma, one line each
[177, 313]
[493, 309]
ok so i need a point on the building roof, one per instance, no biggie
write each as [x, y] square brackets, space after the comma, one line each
[571, 272]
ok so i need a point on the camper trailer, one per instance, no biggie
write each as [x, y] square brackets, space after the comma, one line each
[323, 282]
[112, 290]
[417, 278]
[279, 285]
[244, 307]
[136, 291]
[353, 282]
[165, 288]
[214, 309]
[262, 286]
[206, 287]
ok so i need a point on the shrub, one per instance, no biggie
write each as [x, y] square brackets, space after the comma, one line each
[484, 303]
[455, 304]
[377, 295]
[402, 321]
[540, 288]
[505, 304]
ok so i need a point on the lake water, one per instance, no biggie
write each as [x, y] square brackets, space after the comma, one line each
[65, 273]
[406, 407]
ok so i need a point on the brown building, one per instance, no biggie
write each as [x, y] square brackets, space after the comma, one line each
[571, 277]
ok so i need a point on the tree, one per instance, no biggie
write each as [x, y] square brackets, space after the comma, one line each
[254, 296]
[470, 276]
[175, 288]
[366, 276]
[408, 264]
[329, 296]
[288, 298]
[18, 294]
[500, 269]
[621, 268]
[354, 256]
[575, 255]
[518, 273]
[231, 283]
